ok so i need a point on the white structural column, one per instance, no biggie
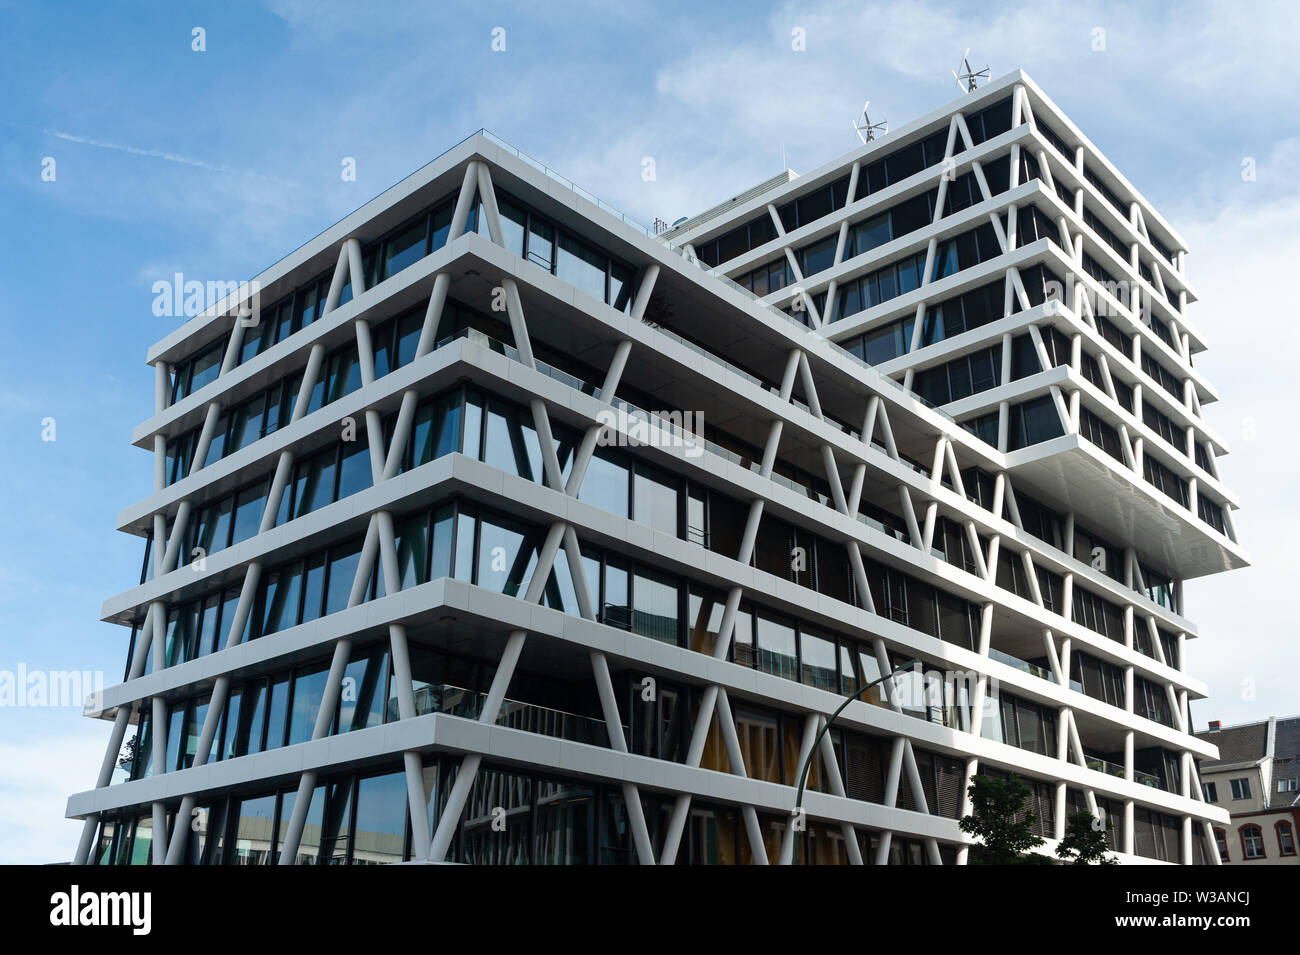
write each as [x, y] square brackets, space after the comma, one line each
[165, 552]
[381, 540]
[876, 415]
[714, 703]
[175, 847]
[560, 534]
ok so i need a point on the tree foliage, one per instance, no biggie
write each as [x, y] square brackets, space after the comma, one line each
[1085, 841]
[1001, 820]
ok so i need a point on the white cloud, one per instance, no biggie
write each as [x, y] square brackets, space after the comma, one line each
[37, 775]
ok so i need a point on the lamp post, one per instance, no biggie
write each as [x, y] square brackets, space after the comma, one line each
[807, 763]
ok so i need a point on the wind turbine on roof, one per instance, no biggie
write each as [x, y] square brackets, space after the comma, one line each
[968, 79]
[866, 129]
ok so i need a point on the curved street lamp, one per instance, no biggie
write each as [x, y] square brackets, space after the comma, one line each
[807, 763]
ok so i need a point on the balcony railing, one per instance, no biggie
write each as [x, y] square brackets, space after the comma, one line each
[1100, 765]
[1030, 668]
[529, 717]
[562, 180]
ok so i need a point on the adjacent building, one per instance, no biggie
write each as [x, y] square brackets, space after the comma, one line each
[490, 527]
[1256, 777]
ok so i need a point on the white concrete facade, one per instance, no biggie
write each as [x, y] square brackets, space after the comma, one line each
[895, 452]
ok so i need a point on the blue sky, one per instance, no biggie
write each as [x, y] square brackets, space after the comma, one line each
[217, 163]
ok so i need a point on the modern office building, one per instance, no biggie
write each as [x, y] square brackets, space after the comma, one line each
[506, 531]
[1257, 779]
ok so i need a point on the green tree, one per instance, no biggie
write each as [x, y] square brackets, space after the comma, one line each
[1002, 821]
[1085, 840]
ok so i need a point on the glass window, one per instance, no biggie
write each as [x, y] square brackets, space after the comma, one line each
[511, 443]
[255, 338]
[404, 248]
[848, 673]
[412, 548]
[313, 588]
[308, 691]
[277, 712]
[882, 345]
[142, 765]
[473, 412]
[1253, 841]
[382, 345]
[251, 725]
[437, 429]
[817, 664]
[380, 820]
[440, 561]
[217, 446]
[616, 604]
[705, 619]
[354, 470]
[215, 528]
[654, 499]
[465, 530]
[541, 243]
[887, 283]
[505, 558]
[229, 603]
[759, 744]
[205, 369]
[408, 337]
[342, 572]
[175, 733]
[776, 648]
[344, 375]
[306, 307]
[252, 836]
[871, 233]
[561, 825]
[620, 286]
[441, 226]
[655, 606]
[742, 639]
[363, 692]
[281, 599]
[945, 260]
[696, 518]
[313, 486]
[820, 255]
[606, 483]
[249, 505]
[337, 829]
[283, 322]
[815, 205]
[581, 266]
[207, 632]
[512, 224]
[175, 640]
[246, 424]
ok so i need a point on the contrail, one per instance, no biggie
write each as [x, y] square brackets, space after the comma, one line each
[154, 154]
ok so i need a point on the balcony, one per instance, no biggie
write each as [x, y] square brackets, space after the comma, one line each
[1030, 668]
[1100, 765]
[529, 717]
